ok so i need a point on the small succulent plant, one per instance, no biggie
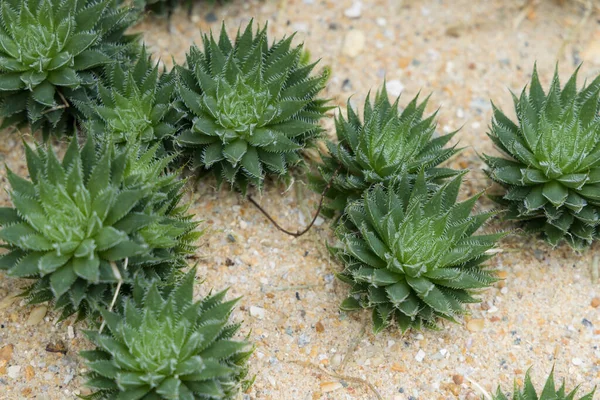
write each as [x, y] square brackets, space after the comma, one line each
[389, 143]
[252, 106]
[410, 254]
[166, 346]
[134, 104]
[77, 225]
[48, 51]
[552, 177]
[549, 391]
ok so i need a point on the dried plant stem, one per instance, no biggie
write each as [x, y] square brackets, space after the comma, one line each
[302, 232]
[352, 346]
[342, 377]
[484, 392]
[120, 279]
[64, 105]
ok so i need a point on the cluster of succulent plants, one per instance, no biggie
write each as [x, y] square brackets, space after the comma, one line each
[103, 232]
[553, 174]
[75, 222]
[250, 106]
[49, 52]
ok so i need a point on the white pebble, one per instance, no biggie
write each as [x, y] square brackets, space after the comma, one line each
[70, 332]
[300, 27]
[243, 224]
[419, 337]
[460, 113]
[443, 352]
[355, 11]
[394, 87]
[14, 371]
[504, 290]
[354, 43]
[319, 221]
[492, 309]
[37, 315]
[257, 312]
[381, 21]
[577, 361]
[420, 355]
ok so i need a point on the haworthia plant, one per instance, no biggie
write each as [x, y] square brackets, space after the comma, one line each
[552, 173]
[80, 225]
[387, 144]
[48, 51]
[163, 345]
[411, 254]
[252, 106]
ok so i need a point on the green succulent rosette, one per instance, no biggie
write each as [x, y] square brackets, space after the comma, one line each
[80, 226]
[252, 107]
[411, 254]
[165, 345]
[387, 144]
[551, 172]
[49, 50]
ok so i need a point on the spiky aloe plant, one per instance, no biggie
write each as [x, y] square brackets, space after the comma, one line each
[552, 175]
[387, 144]
[100, 214]
[410, 255]
[166, 346]
[134, 104]
[252, 106]
[549, 391]
[48, 50]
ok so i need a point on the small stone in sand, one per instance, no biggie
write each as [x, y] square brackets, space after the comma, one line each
[257, 312]
[475, 325]
[319, 327]
[420, 355]
[14, 371]
[394, 87]
[29, 373]
[327, 387]
[595, 302]
[355, 11]
[37, 315]
[457, 379]
[354, 43]
[6, 352]
[577, 361]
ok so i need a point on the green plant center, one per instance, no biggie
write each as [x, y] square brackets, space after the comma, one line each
[418, 246]
[561, 149]
[131, 121]
[242, 109]
[37, 45]
[159, 343]
[69, 220]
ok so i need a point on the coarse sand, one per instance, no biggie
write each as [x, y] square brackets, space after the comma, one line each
[462, 52]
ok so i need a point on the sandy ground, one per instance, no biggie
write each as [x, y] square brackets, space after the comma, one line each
[464, 52]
